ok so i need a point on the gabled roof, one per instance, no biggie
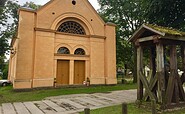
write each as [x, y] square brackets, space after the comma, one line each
[51, 1]
[155, 30]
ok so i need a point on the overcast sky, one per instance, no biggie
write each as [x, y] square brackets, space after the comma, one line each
[42, 2]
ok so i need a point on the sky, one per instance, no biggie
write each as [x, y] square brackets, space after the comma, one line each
[42, 2]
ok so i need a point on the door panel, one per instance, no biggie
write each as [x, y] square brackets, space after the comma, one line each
[63, 72]
[79, 72]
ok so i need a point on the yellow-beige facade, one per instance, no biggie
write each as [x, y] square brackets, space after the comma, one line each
[62, 43]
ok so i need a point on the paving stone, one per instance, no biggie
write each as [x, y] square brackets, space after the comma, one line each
[45, 108]
[89, 100]
[54, 106]
[106, 98]
[77, 105]
[20, 108]
[32, 108]
[82, 102]
[96, 99]
[66, 105]
[1, 110]
[8, 108]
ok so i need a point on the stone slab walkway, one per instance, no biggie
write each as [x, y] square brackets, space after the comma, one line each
[69, 104]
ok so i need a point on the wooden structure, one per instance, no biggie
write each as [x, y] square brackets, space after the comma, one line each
[163, 85]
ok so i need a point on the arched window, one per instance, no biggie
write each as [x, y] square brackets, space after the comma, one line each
[71, 27]
[79, 51]
[63, 50]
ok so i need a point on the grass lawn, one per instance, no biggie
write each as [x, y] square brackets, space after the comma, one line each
[132, 109]
[8, 95]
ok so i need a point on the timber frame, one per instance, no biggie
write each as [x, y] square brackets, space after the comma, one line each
[163, 85]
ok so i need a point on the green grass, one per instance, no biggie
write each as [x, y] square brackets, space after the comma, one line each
[8, 95]
[132, 109]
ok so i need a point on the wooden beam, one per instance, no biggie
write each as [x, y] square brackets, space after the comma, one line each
[170, 88]
[160, 70]
[179, 81]
[153, 76]
[175, 38]
[151, 87]
[139, 68]
[146, 85]
[149, 38]
[181, 90]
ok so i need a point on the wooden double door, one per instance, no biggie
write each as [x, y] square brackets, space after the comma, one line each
[63, 69]
[62, 72]
[79, 72]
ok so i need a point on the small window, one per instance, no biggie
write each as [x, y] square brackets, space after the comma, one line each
[63, 50]
[79, 51]
[72, 28]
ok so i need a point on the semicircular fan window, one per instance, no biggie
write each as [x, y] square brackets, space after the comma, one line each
[71, 27]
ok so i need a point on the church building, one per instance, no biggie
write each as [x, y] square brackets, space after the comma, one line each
[65, 42]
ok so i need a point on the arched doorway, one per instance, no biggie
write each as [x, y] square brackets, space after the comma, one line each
[79, 67]
[63, 68]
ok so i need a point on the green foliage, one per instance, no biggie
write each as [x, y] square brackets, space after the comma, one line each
[8, 29]
[169, 13]
[128, 16]
[5, 71]
[31, 5]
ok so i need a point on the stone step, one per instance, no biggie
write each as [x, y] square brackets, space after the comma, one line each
[32, 108]
[20, 108]
[8, 108]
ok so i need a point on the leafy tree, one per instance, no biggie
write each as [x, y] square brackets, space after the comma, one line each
[169, 13]
[5, 71]
[8, 28]
[128, 15]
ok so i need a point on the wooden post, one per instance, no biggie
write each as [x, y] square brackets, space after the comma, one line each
[160, 71]
[152, 62]
[153, 67]
[124, 108]
[87, 111]
[172, 93]
[175, 76]
[135, 65]
[139, 69]
[183, 62]
[153, 105]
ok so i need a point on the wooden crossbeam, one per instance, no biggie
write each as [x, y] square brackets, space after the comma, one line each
[181, 90]
[152, 84]
[175, 91]
[146, 85]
